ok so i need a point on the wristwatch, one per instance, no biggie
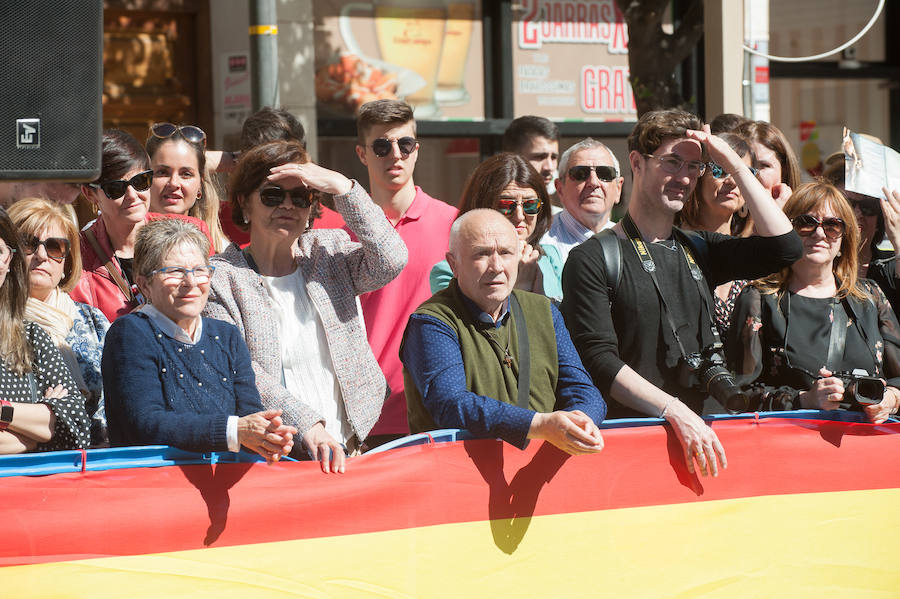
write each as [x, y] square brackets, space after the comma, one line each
[6, 414]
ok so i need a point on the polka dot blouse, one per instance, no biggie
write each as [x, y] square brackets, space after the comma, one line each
[72, 429]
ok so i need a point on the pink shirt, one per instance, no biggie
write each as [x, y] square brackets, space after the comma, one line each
[425, 228]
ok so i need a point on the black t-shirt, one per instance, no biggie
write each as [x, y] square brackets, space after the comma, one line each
[634, 330]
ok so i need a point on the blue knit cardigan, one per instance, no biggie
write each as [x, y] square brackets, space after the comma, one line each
[161, 391]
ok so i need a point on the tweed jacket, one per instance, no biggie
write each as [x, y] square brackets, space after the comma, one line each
[336, 270]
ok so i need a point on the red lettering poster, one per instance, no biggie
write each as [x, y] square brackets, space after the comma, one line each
[570, 61]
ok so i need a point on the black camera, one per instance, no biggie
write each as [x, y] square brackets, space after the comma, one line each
[860, 390]
[706, 371]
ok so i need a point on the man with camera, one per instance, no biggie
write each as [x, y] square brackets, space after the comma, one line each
[638, 300]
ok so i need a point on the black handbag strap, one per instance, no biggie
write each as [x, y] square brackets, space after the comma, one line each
[524, 381]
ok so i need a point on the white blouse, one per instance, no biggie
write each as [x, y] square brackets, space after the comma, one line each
[305, 358]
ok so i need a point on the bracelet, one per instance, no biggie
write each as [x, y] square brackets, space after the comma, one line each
[665, 409]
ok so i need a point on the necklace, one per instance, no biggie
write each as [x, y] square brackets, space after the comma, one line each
[507, 357]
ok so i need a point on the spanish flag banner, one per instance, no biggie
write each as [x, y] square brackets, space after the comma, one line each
[806, 507]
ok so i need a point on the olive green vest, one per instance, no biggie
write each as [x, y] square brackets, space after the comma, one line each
[483, 350]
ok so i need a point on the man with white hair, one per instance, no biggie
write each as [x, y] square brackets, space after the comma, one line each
[589, 185]
[497, 361]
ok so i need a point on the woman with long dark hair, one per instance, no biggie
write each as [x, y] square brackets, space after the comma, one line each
[509, 184]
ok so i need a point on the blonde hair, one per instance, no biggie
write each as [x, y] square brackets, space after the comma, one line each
[814, 197]
[33, 215]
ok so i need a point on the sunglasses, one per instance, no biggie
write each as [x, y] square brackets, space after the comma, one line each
[382, 146]
[193, 134]
[116, 189]
[673, 164]
[57, 248]
[583, 173]
[719, 173]
[274, 196]
[806, 224]
[867, 207]
[507, 207]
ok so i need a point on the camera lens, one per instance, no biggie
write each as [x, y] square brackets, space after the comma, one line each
[720, 383]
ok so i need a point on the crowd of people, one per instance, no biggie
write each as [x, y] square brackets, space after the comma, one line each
[164, 314]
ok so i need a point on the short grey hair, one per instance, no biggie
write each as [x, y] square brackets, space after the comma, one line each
[587, 143]
[157, 238]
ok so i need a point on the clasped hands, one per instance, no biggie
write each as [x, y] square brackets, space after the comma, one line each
[266, 434]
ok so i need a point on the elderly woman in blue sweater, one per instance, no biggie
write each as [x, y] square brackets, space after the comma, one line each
[173, 377]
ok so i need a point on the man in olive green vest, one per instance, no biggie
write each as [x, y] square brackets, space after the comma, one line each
[468, 349]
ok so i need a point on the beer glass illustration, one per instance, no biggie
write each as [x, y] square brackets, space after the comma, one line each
[410, 35]
[457, 37]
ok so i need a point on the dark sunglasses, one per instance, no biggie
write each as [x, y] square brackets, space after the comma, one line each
[193, 134]
[274, 196]
[382, 146]
[719, 173]
[583, 173]
[116, 189]
[806, 224]
[507, 207]
[867, 207]
[57, 248]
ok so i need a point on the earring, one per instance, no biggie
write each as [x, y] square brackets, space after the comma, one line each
[743, 211]
[199, 195]
[246, 220]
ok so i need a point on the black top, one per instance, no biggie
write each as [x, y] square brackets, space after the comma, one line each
[883, 271]
[634, 330]
[72, 430]
[774, 338]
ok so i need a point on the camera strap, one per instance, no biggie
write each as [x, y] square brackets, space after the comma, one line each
[649, 266]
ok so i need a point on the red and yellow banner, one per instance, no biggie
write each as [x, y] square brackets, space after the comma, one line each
[804, 507]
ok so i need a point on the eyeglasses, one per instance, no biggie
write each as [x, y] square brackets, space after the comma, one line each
[193, 134]
[274, 196]
[719, 173]
[178, 274]
[116, 189]
[530, 206]
[57, 248]
[673, 164]
[806, 224]
[583, 173]
[6, 251]
[382, 146]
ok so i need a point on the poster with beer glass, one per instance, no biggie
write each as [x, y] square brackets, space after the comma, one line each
[426, 52]
[570, 60]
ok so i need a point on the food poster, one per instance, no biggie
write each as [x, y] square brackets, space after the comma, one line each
[426, 52]
[570, 61]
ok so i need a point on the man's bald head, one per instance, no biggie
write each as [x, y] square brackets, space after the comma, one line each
[484, 257]
[474, 222]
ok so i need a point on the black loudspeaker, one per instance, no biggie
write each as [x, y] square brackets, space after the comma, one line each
[51, 116]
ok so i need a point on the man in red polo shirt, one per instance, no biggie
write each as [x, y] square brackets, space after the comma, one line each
[388, 148]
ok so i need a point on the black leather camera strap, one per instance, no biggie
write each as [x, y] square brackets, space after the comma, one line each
[640, 247]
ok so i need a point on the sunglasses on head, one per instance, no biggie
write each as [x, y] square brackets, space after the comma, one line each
[193, 134]
[719, 173]
[583, 173]
[57, 248]
[507, 206]
[382, 146]
[274, 196]
[806, 224]
[116, 189]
